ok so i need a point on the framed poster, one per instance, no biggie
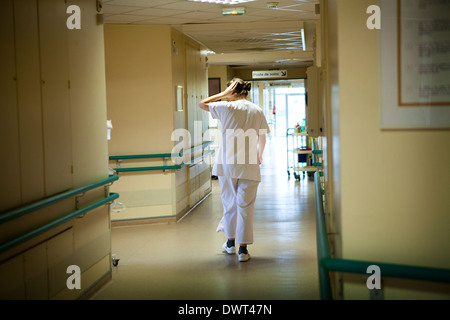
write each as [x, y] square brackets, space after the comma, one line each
[415, 64]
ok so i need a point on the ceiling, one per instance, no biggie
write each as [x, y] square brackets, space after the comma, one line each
[280, 36]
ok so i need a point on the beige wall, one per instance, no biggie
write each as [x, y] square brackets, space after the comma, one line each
[139, 97]
[139, 84]
[54, 131]
[178, 67]
[391, 200]
[225, 74]
[144, 65]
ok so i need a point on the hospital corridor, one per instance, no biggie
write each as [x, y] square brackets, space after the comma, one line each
[121, 119]
[184, 261]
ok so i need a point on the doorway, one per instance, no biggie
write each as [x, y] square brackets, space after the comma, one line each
[283, 102]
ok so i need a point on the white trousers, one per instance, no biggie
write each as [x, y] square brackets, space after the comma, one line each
[238, 200]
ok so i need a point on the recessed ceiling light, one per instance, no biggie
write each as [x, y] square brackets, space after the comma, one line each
[222, 1]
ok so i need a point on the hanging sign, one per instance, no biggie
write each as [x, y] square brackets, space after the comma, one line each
[269, 74]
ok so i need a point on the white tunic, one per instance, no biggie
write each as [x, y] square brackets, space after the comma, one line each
[242, 121]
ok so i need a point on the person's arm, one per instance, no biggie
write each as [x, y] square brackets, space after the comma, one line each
[262, 145]
[204, 104]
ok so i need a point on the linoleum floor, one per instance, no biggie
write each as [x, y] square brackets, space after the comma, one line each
[184, 261]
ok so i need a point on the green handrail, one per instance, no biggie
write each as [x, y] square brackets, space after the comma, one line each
[160, 155]
[197, 159]
[203, 146]
[171, 167]
[388, 269]
[40, 230]
[146, 156]
[154, 168]
[323, 247]
[326, 263]
[53, 199]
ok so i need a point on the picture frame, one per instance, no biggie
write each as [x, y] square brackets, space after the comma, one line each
[404, 103]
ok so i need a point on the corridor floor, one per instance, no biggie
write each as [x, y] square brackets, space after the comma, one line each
[184, 261]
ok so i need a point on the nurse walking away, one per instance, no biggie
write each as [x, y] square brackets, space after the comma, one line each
[244, 130]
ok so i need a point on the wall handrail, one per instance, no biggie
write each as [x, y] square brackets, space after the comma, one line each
[40, 230]
[327, 263]
[152, 168]
[388, 269]
[165, 167]
[193, 161]
[323, 246]
[146, 156]
[13, 214]
[160, 155]
[203, 146]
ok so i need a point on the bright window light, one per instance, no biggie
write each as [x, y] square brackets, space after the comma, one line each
[223, 1]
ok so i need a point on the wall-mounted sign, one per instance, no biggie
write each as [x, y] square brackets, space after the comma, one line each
[269, 74]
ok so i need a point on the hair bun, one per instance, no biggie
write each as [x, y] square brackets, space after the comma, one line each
[242, 87]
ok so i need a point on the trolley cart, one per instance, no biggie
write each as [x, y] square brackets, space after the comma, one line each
[300, 155]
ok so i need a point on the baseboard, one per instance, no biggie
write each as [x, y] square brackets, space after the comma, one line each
[160, 220]
[136, 222]
[86, 295]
